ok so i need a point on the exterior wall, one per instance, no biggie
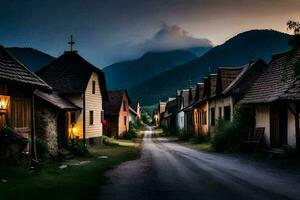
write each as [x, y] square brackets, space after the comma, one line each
[123, 128]
[77, 130]
[93, 102]
[291, 126]
[262, 119]
[46, 126]
[180, 120]
[200, 127]
[216, 104]
[132, 117]
[112, 126]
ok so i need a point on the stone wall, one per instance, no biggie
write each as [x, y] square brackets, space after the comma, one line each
[46, 126]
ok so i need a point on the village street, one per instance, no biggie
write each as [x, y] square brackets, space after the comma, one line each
[167, 170]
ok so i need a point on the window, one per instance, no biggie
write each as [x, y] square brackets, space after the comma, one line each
[124, 105]
[91, 117]
[227, 113]
[125, 121]
[204, 119]
[220, 112]
[102, 116]
[72, 117]
[94, 87]
[212, 117]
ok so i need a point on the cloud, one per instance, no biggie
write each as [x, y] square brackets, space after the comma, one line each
[171, 38]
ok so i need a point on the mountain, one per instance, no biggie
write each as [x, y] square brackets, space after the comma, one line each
[236, 51]
[129, 73]
[32, 58]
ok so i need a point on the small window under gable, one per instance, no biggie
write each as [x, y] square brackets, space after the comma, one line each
[94, 87]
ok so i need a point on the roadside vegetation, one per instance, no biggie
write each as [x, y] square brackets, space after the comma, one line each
[53, 180]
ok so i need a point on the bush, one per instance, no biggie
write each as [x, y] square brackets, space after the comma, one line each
[198, 139]
[229, 135]
[42, 148]
[288, 151]
[77, 147]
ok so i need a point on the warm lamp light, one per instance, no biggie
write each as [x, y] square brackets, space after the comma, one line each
[4, 101]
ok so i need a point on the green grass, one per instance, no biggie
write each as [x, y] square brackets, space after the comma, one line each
[74, 182]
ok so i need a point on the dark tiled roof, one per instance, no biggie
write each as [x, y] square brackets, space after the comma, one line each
[277, 81]
[58, 101]
[171, 106]
[113, 106]
[225, 77]
[70, 73]
[11, 70]
[212, 84]
[242, 83]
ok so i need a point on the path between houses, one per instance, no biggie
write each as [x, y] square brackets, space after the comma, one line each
[167, 170]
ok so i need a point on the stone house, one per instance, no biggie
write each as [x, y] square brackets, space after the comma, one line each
[17, 100]
[116, 113]
[52, 115]
[84, 85]
[275, 97]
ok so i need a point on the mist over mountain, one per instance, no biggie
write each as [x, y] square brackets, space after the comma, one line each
[237, 51]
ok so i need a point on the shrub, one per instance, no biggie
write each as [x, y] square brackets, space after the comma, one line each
[109, 141]
[198, 139]
[77, 147]
[229, 135]
[41, 147]
[289, 151]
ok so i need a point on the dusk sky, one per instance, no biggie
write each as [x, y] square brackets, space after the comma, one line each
[108, 31]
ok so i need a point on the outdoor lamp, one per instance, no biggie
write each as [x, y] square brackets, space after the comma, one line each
[4, 101]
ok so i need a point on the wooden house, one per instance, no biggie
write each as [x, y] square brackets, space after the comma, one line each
[189, 122]
[220, 106]
[159, 114]
[83, 84]
[17, 86]
[116, 113]
[182, 99]
[197, 108]
[275, 98]
[201, 107]
[169, 118]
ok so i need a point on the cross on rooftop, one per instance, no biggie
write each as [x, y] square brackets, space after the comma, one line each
[71, 43]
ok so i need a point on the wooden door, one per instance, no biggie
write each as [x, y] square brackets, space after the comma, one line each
[278, 125]
[62, 130]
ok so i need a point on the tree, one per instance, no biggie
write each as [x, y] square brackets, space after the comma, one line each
[295, 40]
[293, 26]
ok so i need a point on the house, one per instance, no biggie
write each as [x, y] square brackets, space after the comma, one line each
[159, 114]
[51, 119]
[169, 118]
[135, 114]
[116, 113]
[201, 107]
[82, 84]
[275, 97]
[219, 106]
[17, 99]
[197, 107]
[189, 125]
[182, 99]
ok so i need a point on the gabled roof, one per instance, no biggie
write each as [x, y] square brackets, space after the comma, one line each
[225, 76]
[212, 85]
[70, 73]
[242, 83]
[277, 82]
[192, 94]
[171, 106]
[56, 100]
[131, 110]
[199, 91]
[11, 70]
[114, 104]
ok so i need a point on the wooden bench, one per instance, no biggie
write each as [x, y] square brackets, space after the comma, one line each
[256, 140]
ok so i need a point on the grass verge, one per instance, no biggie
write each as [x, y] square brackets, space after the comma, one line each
[73, 182]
